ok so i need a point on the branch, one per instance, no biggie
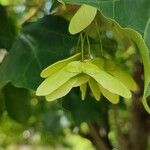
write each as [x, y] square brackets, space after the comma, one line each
[139, 117]
[97, 140]
[123, 140]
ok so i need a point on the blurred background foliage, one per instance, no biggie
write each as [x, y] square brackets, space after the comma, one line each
[69, 123]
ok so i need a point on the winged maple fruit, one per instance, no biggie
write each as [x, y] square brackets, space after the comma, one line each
[94, 74]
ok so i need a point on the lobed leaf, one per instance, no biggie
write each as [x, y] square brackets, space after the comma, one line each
[121, 10]
[38, 44]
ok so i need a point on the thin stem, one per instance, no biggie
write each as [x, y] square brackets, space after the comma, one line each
[100, 41]
[89, 46]
[78, 43]
[82, 46]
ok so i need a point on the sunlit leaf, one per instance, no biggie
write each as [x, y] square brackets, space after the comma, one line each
[82, 18]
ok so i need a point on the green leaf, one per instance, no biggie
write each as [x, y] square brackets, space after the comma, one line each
[106, 6]
[121, 10]
[38, 45]
[17, 102]
[82, 18]
[137, 38]
[147, 34]
[2, 103]
[87, 110]
[7, 29]
[51, 124]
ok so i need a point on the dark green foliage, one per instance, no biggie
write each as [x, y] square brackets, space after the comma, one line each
[38, 45]
[7, 29]
[44, 41]
[84, 111]
[17, 102]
